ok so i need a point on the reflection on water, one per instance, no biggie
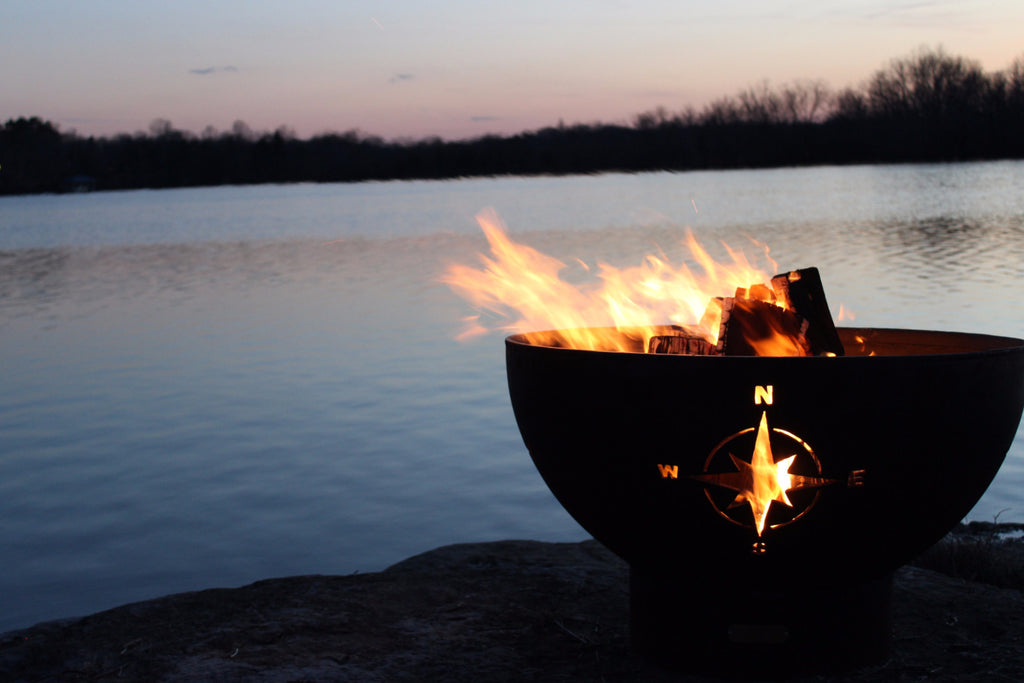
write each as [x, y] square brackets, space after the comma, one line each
[945, 247]
[181, 416]
[209, 387]
[31, 277]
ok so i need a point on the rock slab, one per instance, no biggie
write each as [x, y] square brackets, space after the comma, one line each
[502, 611]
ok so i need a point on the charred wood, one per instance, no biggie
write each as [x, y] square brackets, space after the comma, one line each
[801, 291]
[678, 344]
[751, 327]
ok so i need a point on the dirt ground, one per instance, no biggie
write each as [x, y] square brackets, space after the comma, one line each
[503, 611]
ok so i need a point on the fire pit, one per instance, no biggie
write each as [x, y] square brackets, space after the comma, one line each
[763, 503]
[762, 472]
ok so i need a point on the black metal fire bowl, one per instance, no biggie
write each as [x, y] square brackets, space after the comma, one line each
[669, 460]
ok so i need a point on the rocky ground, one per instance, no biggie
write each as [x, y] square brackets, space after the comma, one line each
[503, 611]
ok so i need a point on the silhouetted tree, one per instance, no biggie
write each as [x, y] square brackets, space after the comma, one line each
[30, 156]
[806, 101]
[927, 85]
[241, 130]
[160, 128]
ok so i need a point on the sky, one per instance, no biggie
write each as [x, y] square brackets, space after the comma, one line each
[404, 69]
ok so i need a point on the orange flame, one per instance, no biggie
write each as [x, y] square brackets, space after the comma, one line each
[620, 312]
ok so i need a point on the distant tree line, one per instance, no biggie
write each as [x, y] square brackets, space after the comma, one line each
[929, 106]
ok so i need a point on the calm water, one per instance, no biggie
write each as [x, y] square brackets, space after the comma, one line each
[207, 387]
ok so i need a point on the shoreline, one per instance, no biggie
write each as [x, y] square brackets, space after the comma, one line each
[504, 610]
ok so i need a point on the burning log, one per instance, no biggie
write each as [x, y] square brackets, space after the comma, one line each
[752, 327]
[801, 291]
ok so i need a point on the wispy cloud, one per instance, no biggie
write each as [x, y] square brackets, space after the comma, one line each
[902, 13]
[213, 70]
[399, 78]
[915, 12]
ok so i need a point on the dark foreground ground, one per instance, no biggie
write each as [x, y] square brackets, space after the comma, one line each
[504, 611]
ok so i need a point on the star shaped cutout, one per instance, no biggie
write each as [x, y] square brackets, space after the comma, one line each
[762, 481]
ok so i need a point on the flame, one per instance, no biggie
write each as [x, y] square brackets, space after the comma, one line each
[619, 312]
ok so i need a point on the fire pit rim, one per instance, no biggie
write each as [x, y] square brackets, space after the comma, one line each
[980, 343]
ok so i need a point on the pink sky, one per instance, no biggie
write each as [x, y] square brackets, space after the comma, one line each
[454, 68]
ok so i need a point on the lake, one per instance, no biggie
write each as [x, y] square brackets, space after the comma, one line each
[207, 387]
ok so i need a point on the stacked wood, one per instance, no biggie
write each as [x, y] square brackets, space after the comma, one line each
[789, 318]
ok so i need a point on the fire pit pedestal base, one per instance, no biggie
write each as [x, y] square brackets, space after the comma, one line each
[733, 629]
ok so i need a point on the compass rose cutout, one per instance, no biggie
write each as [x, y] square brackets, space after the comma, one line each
[762, 482]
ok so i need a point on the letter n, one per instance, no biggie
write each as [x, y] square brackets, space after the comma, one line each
[763, 395]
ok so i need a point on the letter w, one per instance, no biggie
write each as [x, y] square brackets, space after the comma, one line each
[669, 471]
